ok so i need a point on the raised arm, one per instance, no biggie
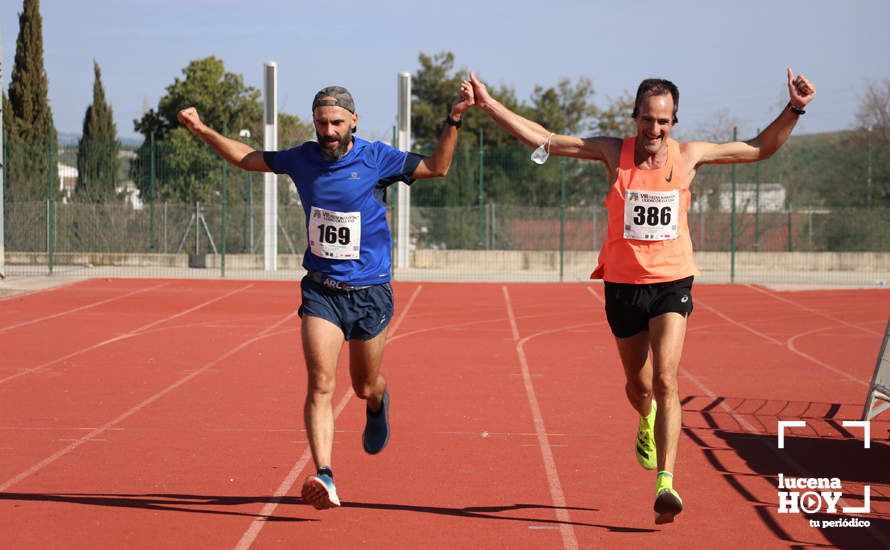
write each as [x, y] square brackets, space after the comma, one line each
[439, 162]
[232, 151]
[801, 92]
[533, 134]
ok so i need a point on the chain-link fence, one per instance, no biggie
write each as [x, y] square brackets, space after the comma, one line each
[496, 216]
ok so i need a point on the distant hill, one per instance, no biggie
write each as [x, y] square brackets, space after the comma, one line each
[70, 139]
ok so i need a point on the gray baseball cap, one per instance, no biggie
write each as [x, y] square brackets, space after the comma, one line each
[334, 96]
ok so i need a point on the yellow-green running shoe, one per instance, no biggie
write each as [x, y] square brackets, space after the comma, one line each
[646, 440]
[667, 505]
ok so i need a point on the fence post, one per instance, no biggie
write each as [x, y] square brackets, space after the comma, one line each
[757, 203]
[50, 226]
[733, 237]
[562, 216]
[49, 235]
[225, 180]
[153, 237]
[790, 245]
[482, 239]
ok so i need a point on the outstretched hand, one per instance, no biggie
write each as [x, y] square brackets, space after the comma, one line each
[189, 118]
[465, 100]
[479, 90]
[800, 89]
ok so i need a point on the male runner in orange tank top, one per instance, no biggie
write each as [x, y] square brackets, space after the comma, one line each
[646, 261]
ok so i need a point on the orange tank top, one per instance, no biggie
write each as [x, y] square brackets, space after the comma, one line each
[648, 236]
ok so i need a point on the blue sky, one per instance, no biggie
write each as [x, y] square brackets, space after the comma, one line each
[728, 58]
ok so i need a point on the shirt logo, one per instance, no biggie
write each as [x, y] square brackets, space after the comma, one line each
[670, 176]
[354, 176]
[684, 299]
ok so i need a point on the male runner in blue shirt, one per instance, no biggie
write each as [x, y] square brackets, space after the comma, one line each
[342, 181]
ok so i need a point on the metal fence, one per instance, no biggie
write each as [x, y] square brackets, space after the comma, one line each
[495, 217]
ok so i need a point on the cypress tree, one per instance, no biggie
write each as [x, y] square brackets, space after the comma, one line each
[97, 150]
[33, 141]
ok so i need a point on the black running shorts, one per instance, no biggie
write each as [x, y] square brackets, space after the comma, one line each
[361, 314]
[629, 307]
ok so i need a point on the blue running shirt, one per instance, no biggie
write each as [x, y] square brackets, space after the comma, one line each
[345, 206]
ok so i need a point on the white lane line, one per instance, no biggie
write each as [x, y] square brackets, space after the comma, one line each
[748, 427]
[120, 337]
[566, 530]
[81, 308]
[112, 423]
[253, 530]
[789, 343]
[776, 296]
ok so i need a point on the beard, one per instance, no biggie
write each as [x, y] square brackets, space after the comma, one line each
[336, 153]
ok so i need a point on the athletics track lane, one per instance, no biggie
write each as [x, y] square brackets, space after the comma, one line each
[465, 466]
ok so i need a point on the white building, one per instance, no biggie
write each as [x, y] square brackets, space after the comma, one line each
[771, 197]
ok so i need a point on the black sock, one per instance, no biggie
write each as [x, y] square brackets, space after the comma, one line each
[326, 470]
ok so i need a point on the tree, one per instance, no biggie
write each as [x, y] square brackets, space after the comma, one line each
[97, 149]
[27, 117]
[567, 108]
[225, 103]
[873, 137]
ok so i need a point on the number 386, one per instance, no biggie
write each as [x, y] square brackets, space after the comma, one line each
[652, 216]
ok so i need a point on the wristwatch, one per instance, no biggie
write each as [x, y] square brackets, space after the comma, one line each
[451, 122]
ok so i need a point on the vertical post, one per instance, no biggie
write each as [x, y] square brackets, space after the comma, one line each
[248, 194]
[757, 203]
[868, 181]
[50, 214]
[225, 200]
[2, 184]
[562, 215]
[790, 239]
[270, 181]
[403, 214]
[197, 228]
[482, 240]
[733, 223]
[49, 235]
[152, 182]
[165, 227]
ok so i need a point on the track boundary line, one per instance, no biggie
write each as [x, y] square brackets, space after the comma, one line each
[788, 343]
[747, 426]
[81, 308]
[135, 332]
[775, 295]
[144, 403]
[569, 540]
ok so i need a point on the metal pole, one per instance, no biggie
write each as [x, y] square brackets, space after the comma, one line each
[868, 186]
[482, 239]
[2, 183]
[790, 238]
[270, 143]
[225, 200]
[404, 192]
[733, 237]
[248, 194]
[562, 215]
[197, 228]
[50, 215]
[757, 203]
[153, 244]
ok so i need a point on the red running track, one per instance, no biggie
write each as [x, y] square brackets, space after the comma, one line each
[168, 414]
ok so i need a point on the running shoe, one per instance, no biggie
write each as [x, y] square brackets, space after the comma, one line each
[646, 440]
[320, 492]
[667, 505]
[376, 433]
